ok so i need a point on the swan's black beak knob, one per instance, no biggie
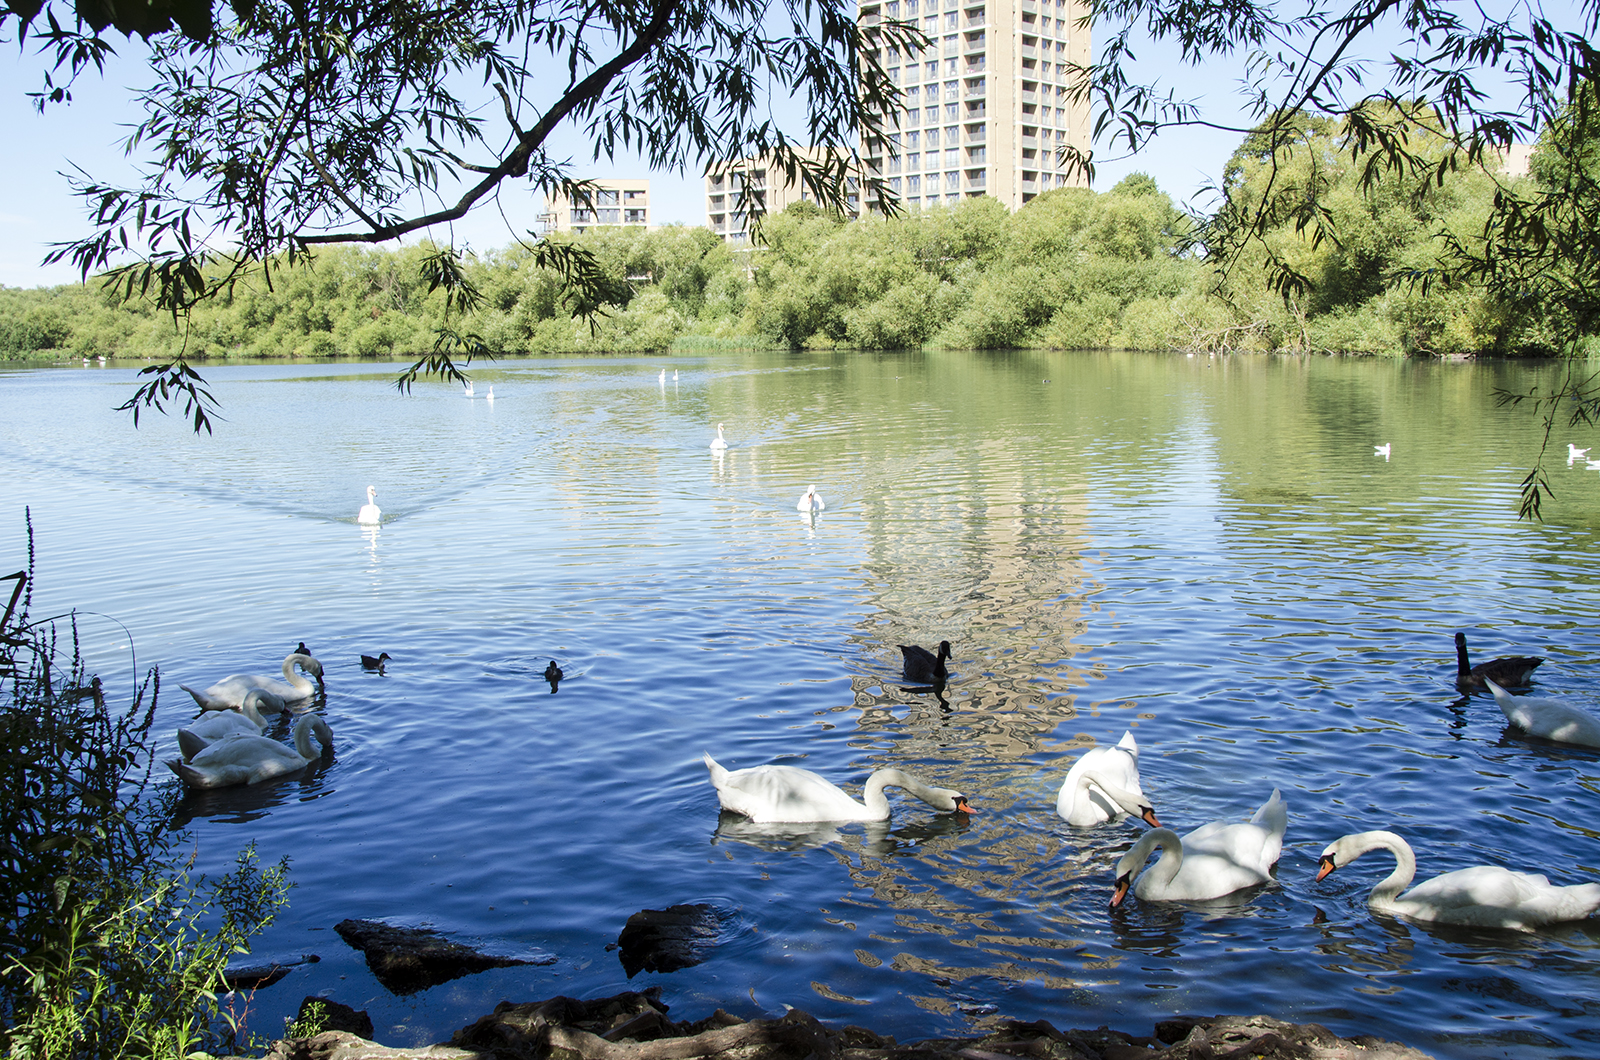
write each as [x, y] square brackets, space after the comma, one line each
[1325, 865]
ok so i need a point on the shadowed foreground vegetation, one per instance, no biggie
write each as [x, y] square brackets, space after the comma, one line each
[108, 948]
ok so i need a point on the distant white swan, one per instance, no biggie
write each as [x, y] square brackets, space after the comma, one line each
[1211, 861]
[662, 378]
[1550, 718]
[810, 501]
[719, 442]
[1103, 785]
[1574, 454]
[490, 395]
[1480, 896]
[215, 725]
[790, 795]
[1382, 450]
[369, 512]
[466, 389]
[231, 691]
[240, 760]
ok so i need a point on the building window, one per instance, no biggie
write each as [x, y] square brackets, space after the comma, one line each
[582, 217]
[911, 7]
[933, 137]
[636, 217]
[913, 161]
[930, 25]
[912, 94]
[977, 154]
[913, 184]
[930, 115]
[606, 197]
[952, 181]
[893, 8]
[894, 185]
[931, 70]
[634, 195]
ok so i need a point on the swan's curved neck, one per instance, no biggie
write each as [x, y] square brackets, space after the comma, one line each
[302, 736]
[1126, 800]
[1383, 895]
[874, 799]
[1171, 860]
[292, 675]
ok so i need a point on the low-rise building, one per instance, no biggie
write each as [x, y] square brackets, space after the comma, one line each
[741, 191]
[613, 202]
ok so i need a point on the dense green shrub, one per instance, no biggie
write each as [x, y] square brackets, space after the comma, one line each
[108, 948]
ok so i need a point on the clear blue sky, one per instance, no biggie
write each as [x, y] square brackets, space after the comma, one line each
[37, 208]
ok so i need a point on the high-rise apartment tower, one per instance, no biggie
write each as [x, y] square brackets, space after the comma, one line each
[984, 108]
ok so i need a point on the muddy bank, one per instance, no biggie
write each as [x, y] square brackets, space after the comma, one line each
[636, 1026]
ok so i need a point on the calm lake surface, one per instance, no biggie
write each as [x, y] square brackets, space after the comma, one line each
[1205, 552]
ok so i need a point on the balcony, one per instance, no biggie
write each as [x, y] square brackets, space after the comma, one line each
[977, 178]
[977, 134]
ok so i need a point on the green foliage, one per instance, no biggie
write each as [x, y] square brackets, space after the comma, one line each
[108, 948]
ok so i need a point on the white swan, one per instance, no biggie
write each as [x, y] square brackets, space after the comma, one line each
[369, 512]
[1211, 861]
[719, 442]
[1480, 896]
[1103, 785]
[231, 691]
[1575, 454]
[214, 725]
[466, 388]
[790, 795]
[1382, 450]
[490, 395]
[239, 760]
[809, 501]
[1550, 718]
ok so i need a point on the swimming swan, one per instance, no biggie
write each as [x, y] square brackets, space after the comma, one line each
[1512, 671]
[920, 664]
[215, 725]
[719, 442]
[369, 512]
[1103, 785]
[240, 760]
[1550, 718]
[1480, 896]
[790, 795]
[231, 691]
[1211, 861]
[1575, 454]
[809, 501]
[1383, 450]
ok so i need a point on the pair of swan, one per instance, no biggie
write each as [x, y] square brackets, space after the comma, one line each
[1103, 785]
[1549, 718]
[214, 725]
[242, 759]
[810, 501]
[1213, 860]
[369, 512]
[790, 795]
[920, 664]
[231, 691]
[1513, 671]
[719, 443]
[1480, 896]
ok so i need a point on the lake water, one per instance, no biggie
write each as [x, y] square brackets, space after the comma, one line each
[1205, 552]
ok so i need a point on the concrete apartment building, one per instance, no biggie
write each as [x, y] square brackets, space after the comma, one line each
[615, 202]
[984, 108]
[740, 191]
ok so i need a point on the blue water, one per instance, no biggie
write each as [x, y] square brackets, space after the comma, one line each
[1205, 552]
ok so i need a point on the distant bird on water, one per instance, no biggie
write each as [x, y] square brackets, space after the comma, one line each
[466, 389]
[1382, 450]
[369, 512]
[1575, 454]
[719, 442]
[923, 665]
[553, 674]
[490, 395]
[1513, 671]
[369, 662]
[810, 501]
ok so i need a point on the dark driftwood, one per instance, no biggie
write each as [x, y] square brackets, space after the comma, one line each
[635, 1027]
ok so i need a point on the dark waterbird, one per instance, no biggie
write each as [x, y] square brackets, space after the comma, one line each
[374, 662]
[1513, 671]
[923, 665]
[553, 674]
[301, 649]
